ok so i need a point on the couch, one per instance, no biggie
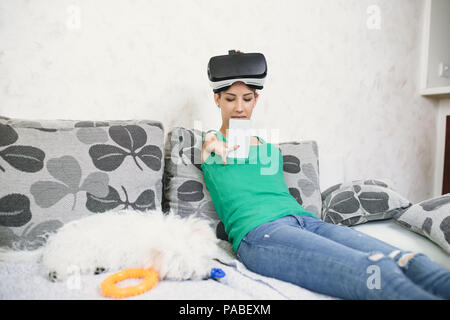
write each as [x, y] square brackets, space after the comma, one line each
[56, 171]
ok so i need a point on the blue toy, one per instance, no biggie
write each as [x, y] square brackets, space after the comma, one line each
[217, 273]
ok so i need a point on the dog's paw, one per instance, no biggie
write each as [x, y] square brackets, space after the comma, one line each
[99, 270]
[184, 268]
[53, 276]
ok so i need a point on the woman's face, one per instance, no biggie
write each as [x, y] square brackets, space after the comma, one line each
[238, 101]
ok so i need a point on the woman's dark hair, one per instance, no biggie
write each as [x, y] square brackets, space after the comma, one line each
[226, 88]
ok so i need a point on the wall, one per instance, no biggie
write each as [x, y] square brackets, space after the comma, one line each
[439, 45]
[341, 72]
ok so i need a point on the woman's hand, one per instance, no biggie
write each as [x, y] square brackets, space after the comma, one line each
[212, 144]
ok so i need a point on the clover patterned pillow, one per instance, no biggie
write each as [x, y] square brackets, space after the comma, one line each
[301, 172]
[361, 201]
[185, 191]
[430, 218]
[55, 171]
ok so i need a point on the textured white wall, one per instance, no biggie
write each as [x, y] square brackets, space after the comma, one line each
[439, 46]
[342, 72]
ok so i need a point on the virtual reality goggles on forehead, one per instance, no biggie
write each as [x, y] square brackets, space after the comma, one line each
[250, 68]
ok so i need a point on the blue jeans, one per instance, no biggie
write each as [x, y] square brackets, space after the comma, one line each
[340, 261]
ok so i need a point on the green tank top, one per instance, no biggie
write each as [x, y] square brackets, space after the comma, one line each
[249, 192]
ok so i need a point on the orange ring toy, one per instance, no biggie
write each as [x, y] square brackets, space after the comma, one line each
[110, 289]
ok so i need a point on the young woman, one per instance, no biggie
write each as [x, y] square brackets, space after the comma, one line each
[275, 236]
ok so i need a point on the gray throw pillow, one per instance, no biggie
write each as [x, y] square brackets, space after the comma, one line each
[301, 172]
[185, 192]
[55, 171]
[430, 218]
[361, 201]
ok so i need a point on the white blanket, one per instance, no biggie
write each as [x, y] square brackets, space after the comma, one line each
[25, 280]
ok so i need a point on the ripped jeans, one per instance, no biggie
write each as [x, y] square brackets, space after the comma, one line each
[340, 261]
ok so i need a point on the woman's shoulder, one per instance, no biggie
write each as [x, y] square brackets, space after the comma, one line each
[260, 141]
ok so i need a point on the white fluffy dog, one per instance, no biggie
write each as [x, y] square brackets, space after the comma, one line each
[178, 248]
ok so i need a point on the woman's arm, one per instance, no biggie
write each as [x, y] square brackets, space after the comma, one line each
[212, 144]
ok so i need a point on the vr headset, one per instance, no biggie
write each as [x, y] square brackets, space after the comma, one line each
[250, 68]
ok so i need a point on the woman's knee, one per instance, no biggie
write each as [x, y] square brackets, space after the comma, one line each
[402, 258]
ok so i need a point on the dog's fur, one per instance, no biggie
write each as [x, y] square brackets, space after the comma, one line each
[178, 248]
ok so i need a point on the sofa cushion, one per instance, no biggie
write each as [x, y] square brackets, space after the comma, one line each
[360, 201]
[429, 218]
[185, 192]
[301, 172]
[55, 171]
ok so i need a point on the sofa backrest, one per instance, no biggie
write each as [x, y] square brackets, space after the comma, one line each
[56, 171]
